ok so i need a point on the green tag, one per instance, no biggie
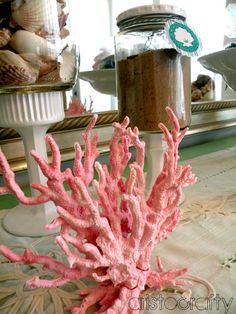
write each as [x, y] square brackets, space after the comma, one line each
[183, 38]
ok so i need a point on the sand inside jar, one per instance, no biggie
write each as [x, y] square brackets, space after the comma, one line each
[150, 81]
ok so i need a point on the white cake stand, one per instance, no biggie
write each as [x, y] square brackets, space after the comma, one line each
[31, 114]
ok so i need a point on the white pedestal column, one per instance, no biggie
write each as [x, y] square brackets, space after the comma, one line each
[154, 148]
[31, 115]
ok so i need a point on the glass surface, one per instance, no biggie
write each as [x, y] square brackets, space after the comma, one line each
[150, 75]
[36, 51]
[143, 93]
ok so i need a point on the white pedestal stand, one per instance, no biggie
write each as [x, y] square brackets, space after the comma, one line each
[154, 148]
[31, 115]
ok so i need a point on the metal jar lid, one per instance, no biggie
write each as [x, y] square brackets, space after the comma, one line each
[148, 10]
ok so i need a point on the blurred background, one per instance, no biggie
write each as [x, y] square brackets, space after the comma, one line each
[94, 26]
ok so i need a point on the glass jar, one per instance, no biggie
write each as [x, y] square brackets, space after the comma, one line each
[36, 50]
[151, 73]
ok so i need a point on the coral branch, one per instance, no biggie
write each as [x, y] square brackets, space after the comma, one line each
[108, 228]
[11, 187]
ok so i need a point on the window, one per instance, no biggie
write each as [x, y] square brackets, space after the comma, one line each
[91, 27]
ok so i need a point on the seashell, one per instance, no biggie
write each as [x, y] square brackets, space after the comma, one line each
[62, 2]
[9, 57]
[34, 15]
[50, 77]
[32, 58]
[26, 42]
[15, 4]
[5, 36]
[67, 66]
[59, 8]
[62, 18]
[183, 36]
[64, 33]
[44, 66]
[14, 70]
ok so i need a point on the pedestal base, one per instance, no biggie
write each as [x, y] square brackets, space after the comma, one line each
[30, 221]
[31, 115]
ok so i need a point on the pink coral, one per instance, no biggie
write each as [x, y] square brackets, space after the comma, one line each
[76, 107]
[115, 227]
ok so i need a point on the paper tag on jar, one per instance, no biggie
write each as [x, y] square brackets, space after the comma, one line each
[183, 38]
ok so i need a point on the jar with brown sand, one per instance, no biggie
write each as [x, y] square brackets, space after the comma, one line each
[152, 73]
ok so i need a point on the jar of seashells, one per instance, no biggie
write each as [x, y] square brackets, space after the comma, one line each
[36, 50]
[152, 48]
